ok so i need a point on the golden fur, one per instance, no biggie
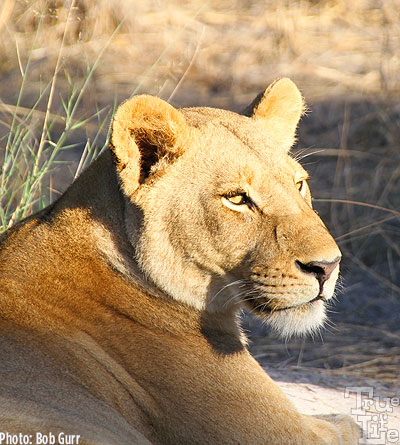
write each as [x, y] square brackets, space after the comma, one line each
[119, 302]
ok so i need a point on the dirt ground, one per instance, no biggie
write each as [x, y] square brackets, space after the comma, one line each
[375, 409]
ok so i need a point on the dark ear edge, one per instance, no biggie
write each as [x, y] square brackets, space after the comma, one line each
[148, 157]
[248, 111]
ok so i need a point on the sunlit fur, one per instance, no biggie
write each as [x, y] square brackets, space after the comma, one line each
[119, 302]
[298, 321]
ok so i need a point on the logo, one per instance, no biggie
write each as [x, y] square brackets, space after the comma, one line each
[371, 413]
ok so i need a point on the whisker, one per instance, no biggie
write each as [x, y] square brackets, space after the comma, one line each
[239, 295]
[225, 287]
[329, 324]
[263, 305]
[303, 154]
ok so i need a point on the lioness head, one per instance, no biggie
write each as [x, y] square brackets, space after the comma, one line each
[220, 214]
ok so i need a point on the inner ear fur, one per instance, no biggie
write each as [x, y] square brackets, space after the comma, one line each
[280, 108]
[144, 131]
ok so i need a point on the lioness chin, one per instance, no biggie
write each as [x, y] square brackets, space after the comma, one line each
[119, 302]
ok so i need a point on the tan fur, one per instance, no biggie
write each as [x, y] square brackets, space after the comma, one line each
[119, 302]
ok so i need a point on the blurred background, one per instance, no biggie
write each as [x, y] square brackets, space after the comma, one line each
[66, 64]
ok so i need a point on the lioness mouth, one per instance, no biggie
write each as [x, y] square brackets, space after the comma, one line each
[264, 308]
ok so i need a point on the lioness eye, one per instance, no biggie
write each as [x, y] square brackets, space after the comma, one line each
[302, 187]
[239, 199]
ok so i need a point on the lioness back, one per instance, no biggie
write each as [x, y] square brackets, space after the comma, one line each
[119, 302]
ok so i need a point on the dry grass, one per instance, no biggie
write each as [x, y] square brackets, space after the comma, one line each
[345, 56]
[328, 47]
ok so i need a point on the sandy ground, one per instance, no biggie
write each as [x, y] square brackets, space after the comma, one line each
[374, 407]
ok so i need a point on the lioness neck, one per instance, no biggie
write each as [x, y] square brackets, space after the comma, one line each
[88, 241]
[141, 249]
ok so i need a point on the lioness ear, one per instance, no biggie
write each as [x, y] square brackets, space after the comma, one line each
[145, 131]
[280, 107]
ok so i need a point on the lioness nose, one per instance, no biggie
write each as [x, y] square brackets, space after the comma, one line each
[321, 269]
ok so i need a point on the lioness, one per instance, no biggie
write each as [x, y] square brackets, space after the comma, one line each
[119, 302]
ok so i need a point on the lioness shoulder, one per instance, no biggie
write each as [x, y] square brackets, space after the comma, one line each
[119, 302]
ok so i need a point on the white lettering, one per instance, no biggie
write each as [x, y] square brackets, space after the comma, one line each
[14, 439]
[374, 426]
[393, 436]
[68, 439]
[395, 401]
[45, 439]
[41, 439]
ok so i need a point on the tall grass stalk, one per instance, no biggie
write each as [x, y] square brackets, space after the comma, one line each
[27, 161]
